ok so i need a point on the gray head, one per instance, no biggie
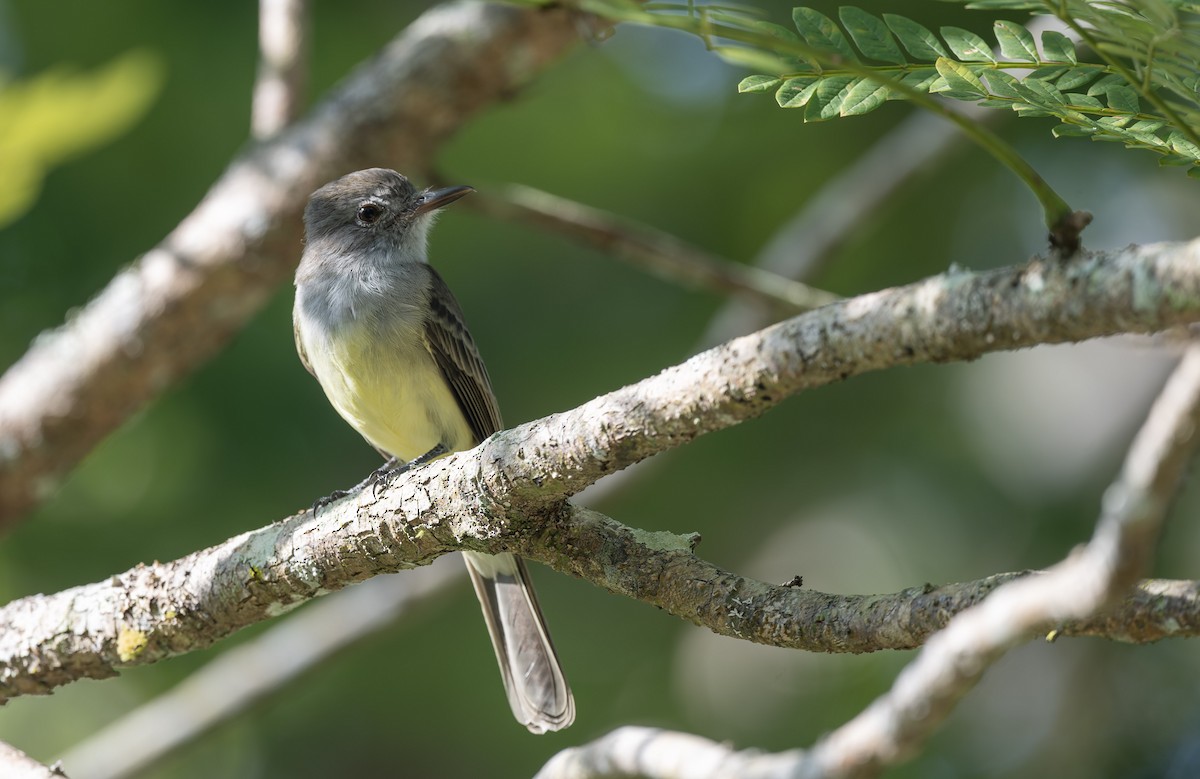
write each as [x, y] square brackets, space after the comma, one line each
[374, 209]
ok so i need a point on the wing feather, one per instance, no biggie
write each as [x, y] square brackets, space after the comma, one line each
[455, 352]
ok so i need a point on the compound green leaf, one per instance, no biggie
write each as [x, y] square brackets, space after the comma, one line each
[920, 79]
[1071, 131]
[1007, 5]
[755, 59]
[1103, 84]
[865, 96]
[1025, 109]
[770, 28]
[759, 83]
[822, 33]
[1058, 47]
[1004, 84]
[1080, 100]
[960, 79]
[1147, 139]
[1016, 42]
[1048, 73]
[966, 45]
[795, 92]
[920, 42]
[871, 35]
[1147, 126]
[1181, 145]
[1077, 77]
[826, 100]
[1045, 92]
[1123, 98]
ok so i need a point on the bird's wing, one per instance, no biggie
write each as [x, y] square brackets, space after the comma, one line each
[454, 350]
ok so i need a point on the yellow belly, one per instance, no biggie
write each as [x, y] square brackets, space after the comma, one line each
[389, 389]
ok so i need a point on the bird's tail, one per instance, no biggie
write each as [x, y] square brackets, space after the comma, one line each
[537, 690]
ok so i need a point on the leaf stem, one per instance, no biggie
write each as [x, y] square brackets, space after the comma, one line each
[1055, 209]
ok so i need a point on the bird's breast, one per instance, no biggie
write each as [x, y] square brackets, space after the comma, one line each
[382, 379]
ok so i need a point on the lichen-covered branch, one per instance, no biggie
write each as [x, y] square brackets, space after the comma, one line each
[1096, 577]
[510, 492]
[156, 611]
[183, 300]
[662, 570]
[958, 315]
[254, 670]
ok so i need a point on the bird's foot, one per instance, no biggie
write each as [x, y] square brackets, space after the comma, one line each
[393, 468]
[371, 481]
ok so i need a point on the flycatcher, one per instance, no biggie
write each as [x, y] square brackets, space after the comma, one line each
[381, 331]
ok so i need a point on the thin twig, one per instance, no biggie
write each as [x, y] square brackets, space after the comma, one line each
[661, 253]
[835, 214]
[282, 80]
[1056, 211]
[838, 211]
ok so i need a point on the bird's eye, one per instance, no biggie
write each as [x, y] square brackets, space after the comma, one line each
[369, 212]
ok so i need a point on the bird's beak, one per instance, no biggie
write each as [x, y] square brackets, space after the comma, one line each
[433, 199]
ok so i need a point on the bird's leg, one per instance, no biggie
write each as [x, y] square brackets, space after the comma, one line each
[432, 454]
[392, 469]
[372, 479]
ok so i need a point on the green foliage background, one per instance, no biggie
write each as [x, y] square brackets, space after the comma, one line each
[878, 484]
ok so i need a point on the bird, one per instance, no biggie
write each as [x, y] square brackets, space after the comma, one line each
[385, 337]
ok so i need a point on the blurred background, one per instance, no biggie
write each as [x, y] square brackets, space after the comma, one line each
[927, 474]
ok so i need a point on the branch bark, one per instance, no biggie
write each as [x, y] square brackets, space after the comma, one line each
[950, 664]
[957, 315]
[177, 305]
[253, 671]
[15, 764]
[511, 491]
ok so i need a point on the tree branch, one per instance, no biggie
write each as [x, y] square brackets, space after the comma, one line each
[509, 492]
[181, 302]
[153, 612]
[654, 753]
[957, 315]
[1088, 580]
[282, 79]
[15, 764]
[952, 661]
[253, 670]
[661, 570]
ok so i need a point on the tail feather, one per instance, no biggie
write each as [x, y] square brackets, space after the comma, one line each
[537, 690]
